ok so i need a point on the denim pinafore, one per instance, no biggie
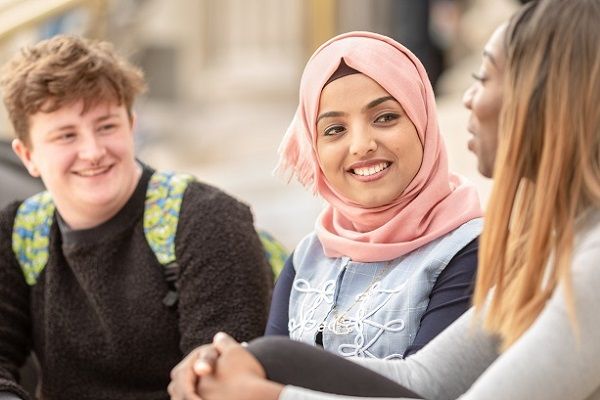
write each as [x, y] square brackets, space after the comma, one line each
[367, 309]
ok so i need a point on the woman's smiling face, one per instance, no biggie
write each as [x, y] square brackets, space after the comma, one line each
[367, 147]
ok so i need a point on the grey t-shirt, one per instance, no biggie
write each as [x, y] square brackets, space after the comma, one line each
[549, 361]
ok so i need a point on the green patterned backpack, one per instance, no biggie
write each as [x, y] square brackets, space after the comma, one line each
[31, 230]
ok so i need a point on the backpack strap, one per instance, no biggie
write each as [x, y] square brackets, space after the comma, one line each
[31, 230]
[31, 233]
[161, 215]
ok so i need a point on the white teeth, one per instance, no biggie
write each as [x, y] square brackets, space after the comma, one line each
[371, 170]
[92, 172]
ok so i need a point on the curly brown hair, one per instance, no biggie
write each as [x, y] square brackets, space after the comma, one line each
[64, 70]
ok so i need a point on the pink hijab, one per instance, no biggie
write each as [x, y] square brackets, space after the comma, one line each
[433, 204]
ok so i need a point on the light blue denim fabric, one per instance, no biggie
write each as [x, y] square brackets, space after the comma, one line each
[367, 309]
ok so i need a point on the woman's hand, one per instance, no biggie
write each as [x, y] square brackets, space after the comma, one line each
[186, 375]
[237, 375]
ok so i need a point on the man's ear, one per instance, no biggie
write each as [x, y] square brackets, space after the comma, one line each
[24, 153]
[133, 121]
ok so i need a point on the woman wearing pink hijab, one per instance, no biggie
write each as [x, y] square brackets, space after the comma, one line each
[392, 258]
[534, 327]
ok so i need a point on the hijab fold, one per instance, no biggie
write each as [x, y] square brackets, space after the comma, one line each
[432, 205]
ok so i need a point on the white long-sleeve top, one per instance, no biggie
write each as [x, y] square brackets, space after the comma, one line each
[549, 361]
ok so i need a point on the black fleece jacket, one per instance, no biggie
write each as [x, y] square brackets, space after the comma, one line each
[95, 319]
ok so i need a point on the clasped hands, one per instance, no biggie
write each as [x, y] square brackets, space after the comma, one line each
[222, 370]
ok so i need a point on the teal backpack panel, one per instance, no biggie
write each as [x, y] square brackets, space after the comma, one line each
[275, 252]
[31, 232]
[161, 213]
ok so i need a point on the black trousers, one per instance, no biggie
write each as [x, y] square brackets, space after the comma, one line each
[293, 363]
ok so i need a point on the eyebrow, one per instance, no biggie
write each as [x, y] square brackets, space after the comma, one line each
[489, 55]
[330, 114]
[72, 126]
[377, 102]
[61, 128]
[372, 104]
[106, 116]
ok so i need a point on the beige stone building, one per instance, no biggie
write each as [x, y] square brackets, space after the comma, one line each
[224, 74]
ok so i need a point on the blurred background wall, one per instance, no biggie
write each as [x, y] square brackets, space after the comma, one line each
[224, 75]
